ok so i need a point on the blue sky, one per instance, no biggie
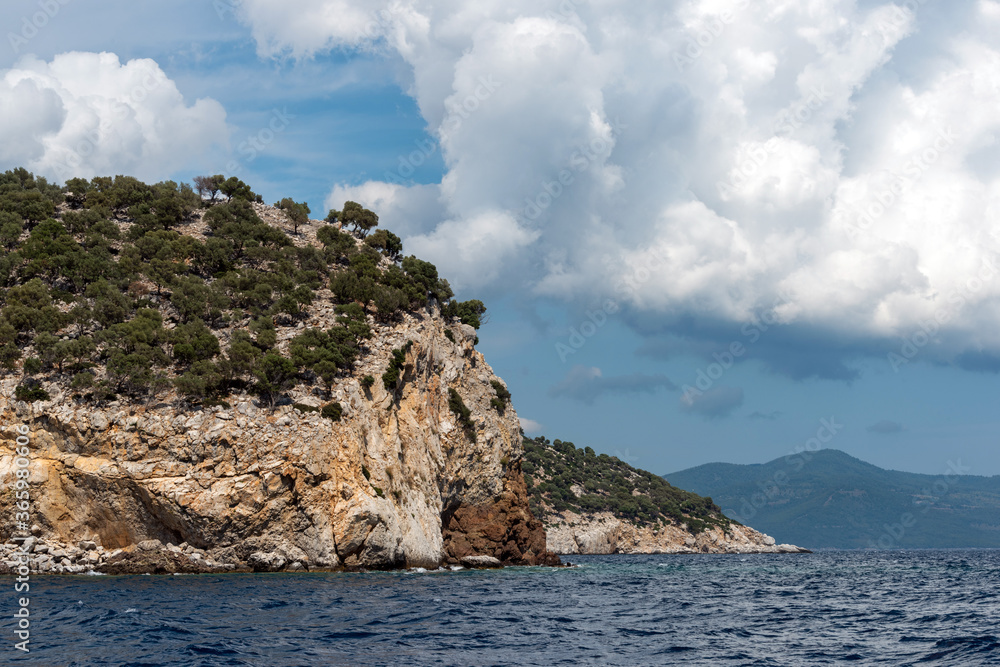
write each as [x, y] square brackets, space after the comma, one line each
[636, 189]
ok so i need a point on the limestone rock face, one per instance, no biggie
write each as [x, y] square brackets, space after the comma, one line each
[398, 482]
[603, 533]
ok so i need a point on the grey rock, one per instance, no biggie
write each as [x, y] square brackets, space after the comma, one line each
[265, 562]
[88, 545]
[481, 562]
[150, 545]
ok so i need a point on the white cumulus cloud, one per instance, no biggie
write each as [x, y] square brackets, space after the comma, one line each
[88, 114]
[840, 154]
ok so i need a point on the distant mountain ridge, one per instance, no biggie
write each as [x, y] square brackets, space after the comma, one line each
[829, 499]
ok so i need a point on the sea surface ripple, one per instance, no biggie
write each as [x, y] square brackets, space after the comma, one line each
[865, 607]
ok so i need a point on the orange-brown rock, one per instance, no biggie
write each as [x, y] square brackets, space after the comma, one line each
[503, 528]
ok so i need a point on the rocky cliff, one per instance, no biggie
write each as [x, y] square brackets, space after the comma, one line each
[398, 481]
[212, 384]
[603, 533]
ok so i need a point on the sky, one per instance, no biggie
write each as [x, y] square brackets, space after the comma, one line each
[709, 230]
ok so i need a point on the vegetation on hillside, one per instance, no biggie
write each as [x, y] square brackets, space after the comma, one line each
[561, 477]
[106, 288]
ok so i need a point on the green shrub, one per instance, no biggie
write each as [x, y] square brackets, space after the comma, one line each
[274, 374]
[449, 335]
[297, 213]
[368, 382]
[469, 312]
[366, 473]
[32, 365]
[83, 380]
[462, 413]
[360, 218]
[9, 354]
[502, 393]
[457, 406]
[302, 407]
[30, 391]
[390, 378]
[333, 411]
[388, 243]
[503, 396]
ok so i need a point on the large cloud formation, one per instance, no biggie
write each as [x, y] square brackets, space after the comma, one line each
[839, 158]
[87, 114]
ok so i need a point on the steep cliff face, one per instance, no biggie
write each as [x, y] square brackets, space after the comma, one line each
[398, 481]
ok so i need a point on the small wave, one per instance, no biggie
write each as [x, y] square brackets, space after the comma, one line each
[973, 642]
[131, 610]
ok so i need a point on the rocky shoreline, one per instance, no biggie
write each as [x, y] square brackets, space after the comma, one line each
[594, 535]
[51, 557]
[603, 533]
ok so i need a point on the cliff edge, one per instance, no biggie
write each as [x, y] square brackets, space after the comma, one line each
[397, 482]
[208, 382]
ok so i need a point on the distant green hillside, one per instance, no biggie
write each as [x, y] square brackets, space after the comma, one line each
[828, 499]
[561, 477]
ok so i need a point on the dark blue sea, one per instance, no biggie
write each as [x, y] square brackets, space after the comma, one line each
[870, 608]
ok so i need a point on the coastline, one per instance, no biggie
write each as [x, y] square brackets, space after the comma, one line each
[603, 533]
[152, 557]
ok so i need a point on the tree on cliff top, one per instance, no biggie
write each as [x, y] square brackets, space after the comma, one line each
[361, 219]
[209, 185]
[297, 213]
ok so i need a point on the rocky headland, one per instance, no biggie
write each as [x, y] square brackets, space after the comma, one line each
[397, 482]
[598, 504]
[213, 385]
[199, 382]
